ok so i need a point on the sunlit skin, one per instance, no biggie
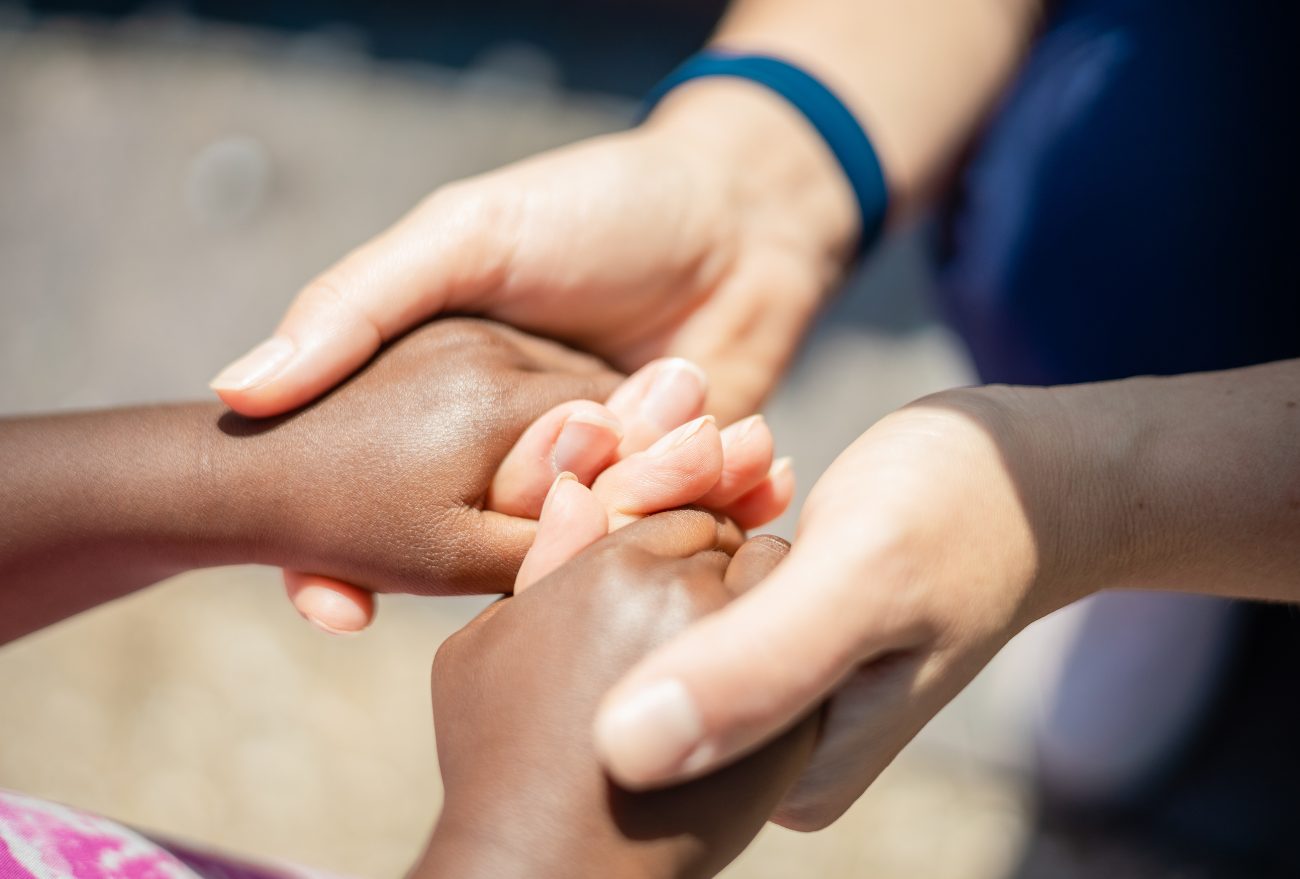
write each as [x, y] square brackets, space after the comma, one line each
[380, 483]
[514, 693]
[714, 232]
[651, 464]
[99, 503]
[948, 527]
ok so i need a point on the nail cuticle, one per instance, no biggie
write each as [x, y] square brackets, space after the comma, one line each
[679, 437]
[747, 426]
[274, 355]
[676, 391]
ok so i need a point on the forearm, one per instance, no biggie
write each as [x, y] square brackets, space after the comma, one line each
[920, 75]
[1199, 477]
[1187, 483]
[99, 504]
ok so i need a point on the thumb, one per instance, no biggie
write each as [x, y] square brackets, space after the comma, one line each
[436, 257]
[735, 679]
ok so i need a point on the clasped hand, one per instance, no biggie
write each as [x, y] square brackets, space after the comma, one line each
[452, 524]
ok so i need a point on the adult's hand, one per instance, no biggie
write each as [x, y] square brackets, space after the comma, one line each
[712, 232]
[942, 532]
[910, 569]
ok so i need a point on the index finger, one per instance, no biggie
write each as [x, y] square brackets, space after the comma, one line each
[374, 294]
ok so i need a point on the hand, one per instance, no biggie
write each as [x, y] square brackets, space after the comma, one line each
[915, 561]
[514, 693]
[661, 463]
[713, 232]
[383, 482]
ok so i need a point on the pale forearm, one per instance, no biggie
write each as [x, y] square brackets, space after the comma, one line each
[920, 75]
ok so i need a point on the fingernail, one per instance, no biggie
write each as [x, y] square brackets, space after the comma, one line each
[585, 442]
[738, 431]
[329, 611]
[648, 735]
[257, 365]
[781, 466]
[670, 441]
[675, 395]
[328, 629]
[555, 486]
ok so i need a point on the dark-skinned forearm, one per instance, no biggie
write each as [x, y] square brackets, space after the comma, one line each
[99, 504]
[1186, 483]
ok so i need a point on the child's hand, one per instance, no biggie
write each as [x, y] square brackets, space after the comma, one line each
[382, 483]
[731, 472]
[515, 693]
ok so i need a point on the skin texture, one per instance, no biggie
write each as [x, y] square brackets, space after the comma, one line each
[951, 525]
[381, 483]
[714, 231]
[730, 471]
[515, 691]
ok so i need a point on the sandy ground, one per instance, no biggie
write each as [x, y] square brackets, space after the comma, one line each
[137, 257]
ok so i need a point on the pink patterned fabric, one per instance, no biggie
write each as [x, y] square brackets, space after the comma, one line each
[42, 840]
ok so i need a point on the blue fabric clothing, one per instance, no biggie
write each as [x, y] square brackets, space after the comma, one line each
[1133, 207]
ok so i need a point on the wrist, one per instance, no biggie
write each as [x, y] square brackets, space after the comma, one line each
[1004, 468]
[102, 503]
[1068, 452]
[477, 845]
[774, 171]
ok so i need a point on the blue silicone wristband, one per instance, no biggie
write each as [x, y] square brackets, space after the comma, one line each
[834, 121]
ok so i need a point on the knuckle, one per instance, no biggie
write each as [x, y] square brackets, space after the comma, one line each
[326, 290]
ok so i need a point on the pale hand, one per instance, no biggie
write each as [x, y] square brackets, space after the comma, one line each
[713, 232]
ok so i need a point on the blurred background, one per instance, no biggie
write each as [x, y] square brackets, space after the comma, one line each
[169, 176]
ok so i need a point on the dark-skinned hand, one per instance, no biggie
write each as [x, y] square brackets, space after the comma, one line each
[515, 693]
[381, 483]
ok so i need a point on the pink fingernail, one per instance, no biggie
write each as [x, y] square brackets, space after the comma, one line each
[652, 733]
[318, 604]
[585, 443]
[738, 431]
[328, 629]
[679, 436]
[566, 476]
[256, 366]
[676, 394]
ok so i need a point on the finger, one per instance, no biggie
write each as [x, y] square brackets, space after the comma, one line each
[378, 291]
[578, 437]
[755, 559]
[866, 723]
[674, 471]
[657, 398]
[747, 332]
[736, 678]
[746, 459]
[675, 533]
[767, 500]
[331, 605]
[572, 519]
